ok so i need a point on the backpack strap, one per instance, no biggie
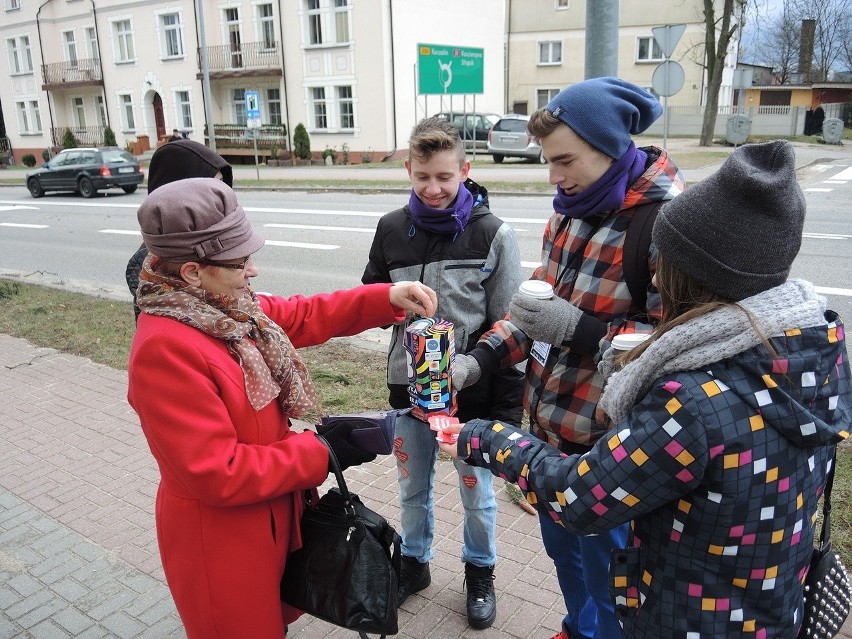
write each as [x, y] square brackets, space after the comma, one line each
[637, 247]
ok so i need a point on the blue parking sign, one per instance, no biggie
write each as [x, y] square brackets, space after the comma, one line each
[252, 105]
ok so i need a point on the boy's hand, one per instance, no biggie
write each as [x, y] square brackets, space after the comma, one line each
[414, 297]
[466, 371]
[551, 321]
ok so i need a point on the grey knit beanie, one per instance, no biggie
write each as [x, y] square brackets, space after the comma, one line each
[605, 112]
[738, 231]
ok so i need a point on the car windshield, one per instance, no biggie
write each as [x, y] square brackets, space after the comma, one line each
[117, 155]
[513, 125]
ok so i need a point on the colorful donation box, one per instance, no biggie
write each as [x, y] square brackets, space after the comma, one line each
[430, 350]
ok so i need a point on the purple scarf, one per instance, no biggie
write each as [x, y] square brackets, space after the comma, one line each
[450, 220]
[608, 192]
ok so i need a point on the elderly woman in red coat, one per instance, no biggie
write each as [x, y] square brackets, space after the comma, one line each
[214, 376]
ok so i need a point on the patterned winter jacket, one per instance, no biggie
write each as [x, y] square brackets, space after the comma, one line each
[475, 273]
[719, 471]
[582, 259]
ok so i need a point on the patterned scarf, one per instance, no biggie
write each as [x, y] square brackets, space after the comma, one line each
[450, 220]
[711, 338]
[271, 365]
[607, 193]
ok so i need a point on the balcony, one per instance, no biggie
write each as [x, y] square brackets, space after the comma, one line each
[71, 75]
[86, 136]
[242, 60]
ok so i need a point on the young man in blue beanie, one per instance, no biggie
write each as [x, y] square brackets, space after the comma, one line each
[602, 182]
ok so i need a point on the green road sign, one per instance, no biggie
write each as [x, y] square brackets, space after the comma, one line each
[443, 69]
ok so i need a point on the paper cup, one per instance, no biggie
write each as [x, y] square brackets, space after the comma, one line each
[628, 341]
[537, 289]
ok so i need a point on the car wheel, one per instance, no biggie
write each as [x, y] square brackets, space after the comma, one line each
[86, 188]
[35, 187]
[498, 158]
[130, 189]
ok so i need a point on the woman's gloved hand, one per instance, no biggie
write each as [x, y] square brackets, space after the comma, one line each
[336, 437]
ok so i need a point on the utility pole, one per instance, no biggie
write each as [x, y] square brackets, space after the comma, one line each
[205, 76]
[601, 38]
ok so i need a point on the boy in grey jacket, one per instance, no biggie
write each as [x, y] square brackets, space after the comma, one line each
[448, 239]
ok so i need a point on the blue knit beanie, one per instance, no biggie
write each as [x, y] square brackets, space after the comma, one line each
[605, 112]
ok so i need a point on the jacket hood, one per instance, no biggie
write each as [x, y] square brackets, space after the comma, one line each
[183, 159]
[806, 394]
[661, 181]
[480, 194]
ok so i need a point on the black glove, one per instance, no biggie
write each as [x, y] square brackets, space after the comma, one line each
[336, 437]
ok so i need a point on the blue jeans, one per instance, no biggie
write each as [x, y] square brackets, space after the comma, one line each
[416, 453]
[582, 568]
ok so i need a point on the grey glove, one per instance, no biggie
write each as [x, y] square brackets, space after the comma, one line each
[466, 371]
[551, 321]
[607, 365]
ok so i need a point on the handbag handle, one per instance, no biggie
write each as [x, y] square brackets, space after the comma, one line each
[825, 532]
[334, 466]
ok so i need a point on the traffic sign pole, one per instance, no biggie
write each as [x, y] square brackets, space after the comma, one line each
[252, 99]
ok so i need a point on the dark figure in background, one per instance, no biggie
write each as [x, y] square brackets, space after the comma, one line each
[174, 161]
[818, 119]
[175, 136]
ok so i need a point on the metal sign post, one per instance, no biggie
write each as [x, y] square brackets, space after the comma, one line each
[669, 76]
[252, 99]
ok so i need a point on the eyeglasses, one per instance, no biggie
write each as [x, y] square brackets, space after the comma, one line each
[239, 266]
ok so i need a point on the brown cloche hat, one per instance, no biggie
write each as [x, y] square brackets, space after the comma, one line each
[196, 219]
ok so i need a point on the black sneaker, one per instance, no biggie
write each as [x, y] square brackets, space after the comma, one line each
[413, 577]
[481, 600]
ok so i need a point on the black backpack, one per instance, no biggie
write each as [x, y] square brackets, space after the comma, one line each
[637, 246]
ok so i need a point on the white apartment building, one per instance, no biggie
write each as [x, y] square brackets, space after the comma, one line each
[345, 69]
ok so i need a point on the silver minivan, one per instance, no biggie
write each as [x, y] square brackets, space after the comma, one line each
[508, 138]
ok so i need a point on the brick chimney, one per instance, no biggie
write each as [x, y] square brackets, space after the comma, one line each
[806, 50]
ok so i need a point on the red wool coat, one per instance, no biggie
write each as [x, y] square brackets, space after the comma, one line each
[232, 478]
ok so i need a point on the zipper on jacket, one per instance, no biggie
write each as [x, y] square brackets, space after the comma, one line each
[450, 267]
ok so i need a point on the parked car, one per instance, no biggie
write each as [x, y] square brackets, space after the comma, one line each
[471, 126]
[509, 139]
[87, 171]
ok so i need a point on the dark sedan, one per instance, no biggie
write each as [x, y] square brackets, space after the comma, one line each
[87, 171]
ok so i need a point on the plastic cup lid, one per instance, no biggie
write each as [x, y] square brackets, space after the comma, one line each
[537, 289]
[627, 341]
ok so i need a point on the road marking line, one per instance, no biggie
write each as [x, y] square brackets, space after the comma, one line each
[826, 236]
[817, 190]
[306, 227]
[845, 174]
[18, 208]
[25, 226]
[530, 264]
[112, 205]
[120, 232]
[834, 181]
[825, 290]
[306, 245]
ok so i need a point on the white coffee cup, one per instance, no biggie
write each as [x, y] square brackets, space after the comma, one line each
[628, 341]
[536, 289]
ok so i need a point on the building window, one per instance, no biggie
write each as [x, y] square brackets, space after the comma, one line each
[124, 41]
[172, 35]
[544, 96]
[29, 117]
[70, 48]
[238, 97]
[319, 107]
[550, 52]
[12, 5]
[346, 107]
[341, 20]
[128, 121]
[647, 50]
[314, 22]
[184, 109]
[92, 43]
[273, 105]
[562, 4]
[235, 38]
[100, 109]
[20, 55]
[267, 25]
[78, 111]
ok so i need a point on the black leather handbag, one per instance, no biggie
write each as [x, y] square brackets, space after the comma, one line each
[347, 570]
[828, 593]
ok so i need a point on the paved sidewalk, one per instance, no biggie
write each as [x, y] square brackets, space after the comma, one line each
[78, 553]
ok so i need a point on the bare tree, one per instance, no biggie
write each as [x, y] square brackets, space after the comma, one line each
[716, 49]
[777, 45]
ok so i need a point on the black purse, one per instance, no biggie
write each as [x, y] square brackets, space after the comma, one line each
[347, 570]
[828, 593]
